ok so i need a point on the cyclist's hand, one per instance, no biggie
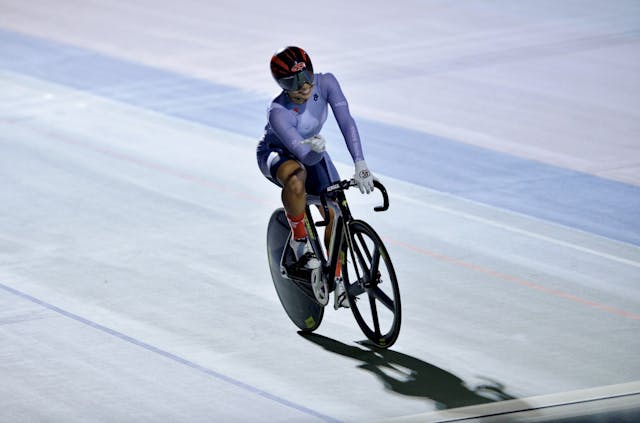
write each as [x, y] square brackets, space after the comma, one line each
[316, 142]
[363, 178]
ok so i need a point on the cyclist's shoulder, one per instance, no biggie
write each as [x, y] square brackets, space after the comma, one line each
[278, 105]
[326, 80]
[329, 88]
[327, 77]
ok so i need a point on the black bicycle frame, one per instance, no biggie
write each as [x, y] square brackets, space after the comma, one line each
[343, 216]
[337, 236]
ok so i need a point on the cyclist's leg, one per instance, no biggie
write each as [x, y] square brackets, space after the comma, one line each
[319, 177]
[292, 177]
[281, 168]
[329, 228]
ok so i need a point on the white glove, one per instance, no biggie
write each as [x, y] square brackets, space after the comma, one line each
[363, 178]
[316, 142]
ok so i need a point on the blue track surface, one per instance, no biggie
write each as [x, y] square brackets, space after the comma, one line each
[582, 201]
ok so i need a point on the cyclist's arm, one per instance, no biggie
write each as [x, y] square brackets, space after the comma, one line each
[340, 107]
[283, 123]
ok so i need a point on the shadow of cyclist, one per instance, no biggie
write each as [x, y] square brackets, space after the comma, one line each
[410, 376]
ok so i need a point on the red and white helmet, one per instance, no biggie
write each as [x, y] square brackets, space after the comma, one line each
[291, 67]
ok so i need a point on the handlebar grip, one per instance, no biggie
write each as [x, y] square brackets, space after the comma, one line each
[343, 185]
[385, 196]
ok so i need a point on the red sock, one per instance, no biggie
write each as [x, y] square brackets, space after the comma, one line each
[297, 226]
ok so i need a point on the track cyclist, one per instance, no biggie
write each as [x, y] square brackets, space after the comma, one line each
[292, 152]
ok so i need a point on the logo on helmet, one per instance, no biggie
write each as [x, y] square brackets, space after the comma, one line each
[298, 66]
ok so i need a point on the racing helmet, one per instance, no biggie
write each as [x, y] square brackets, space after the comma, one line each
[291, 67]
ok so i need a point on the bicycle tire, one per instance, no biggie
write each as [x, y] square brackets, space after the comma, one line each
[371, 281]
[299, 305]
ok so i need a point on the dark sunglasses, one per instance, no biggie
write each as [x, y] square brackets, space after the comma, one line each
[296, 81]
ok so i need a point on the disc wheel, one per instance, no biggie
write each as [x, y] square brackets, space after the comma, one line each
[299, 303]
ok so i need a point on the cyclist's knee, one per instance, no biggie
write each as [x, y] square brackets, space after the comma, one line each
[294, 182]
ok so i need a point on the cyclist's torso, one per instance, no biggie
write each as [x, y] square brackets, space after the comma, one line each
[290, 123]
[309, 117]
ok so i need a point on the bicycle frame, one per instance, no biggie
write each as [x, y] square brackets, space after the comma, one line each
[334, 197]
[338, 230]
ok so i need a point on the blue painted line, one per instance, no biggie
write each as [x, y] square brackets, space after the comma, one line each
[170, 356]
[600, 206]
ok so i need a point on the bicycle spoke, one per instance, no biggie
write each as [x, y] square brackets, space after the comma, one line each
[382, 297]
[374, 314]
[375, 262]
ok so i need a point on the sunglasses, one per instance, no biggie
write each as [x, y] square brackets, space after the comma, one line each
[296, 81]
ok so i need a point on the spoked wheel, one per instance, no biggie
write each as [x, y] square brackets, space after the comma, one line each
[374, 295]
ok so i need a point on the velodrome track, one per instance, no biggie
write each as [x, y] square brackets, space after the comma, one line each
[133, 277]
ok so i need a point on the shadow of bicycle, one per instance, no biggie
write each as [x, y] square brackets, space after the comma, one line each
[410, 376]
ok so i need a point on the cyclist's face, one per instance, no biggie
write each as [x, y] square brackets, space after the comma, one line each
[302, 95]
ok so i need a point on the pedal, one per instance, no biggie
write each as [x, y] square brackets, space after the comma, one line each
[320, 287]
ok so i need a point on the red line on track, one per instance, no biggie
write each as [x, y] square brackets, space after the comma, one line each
[514, 279]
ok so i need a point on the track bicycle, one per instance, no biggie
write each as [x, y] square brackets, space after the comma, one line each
[356, 256]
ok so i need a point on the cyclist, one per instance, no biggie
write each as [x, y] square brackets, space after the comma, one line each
[292, 152]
